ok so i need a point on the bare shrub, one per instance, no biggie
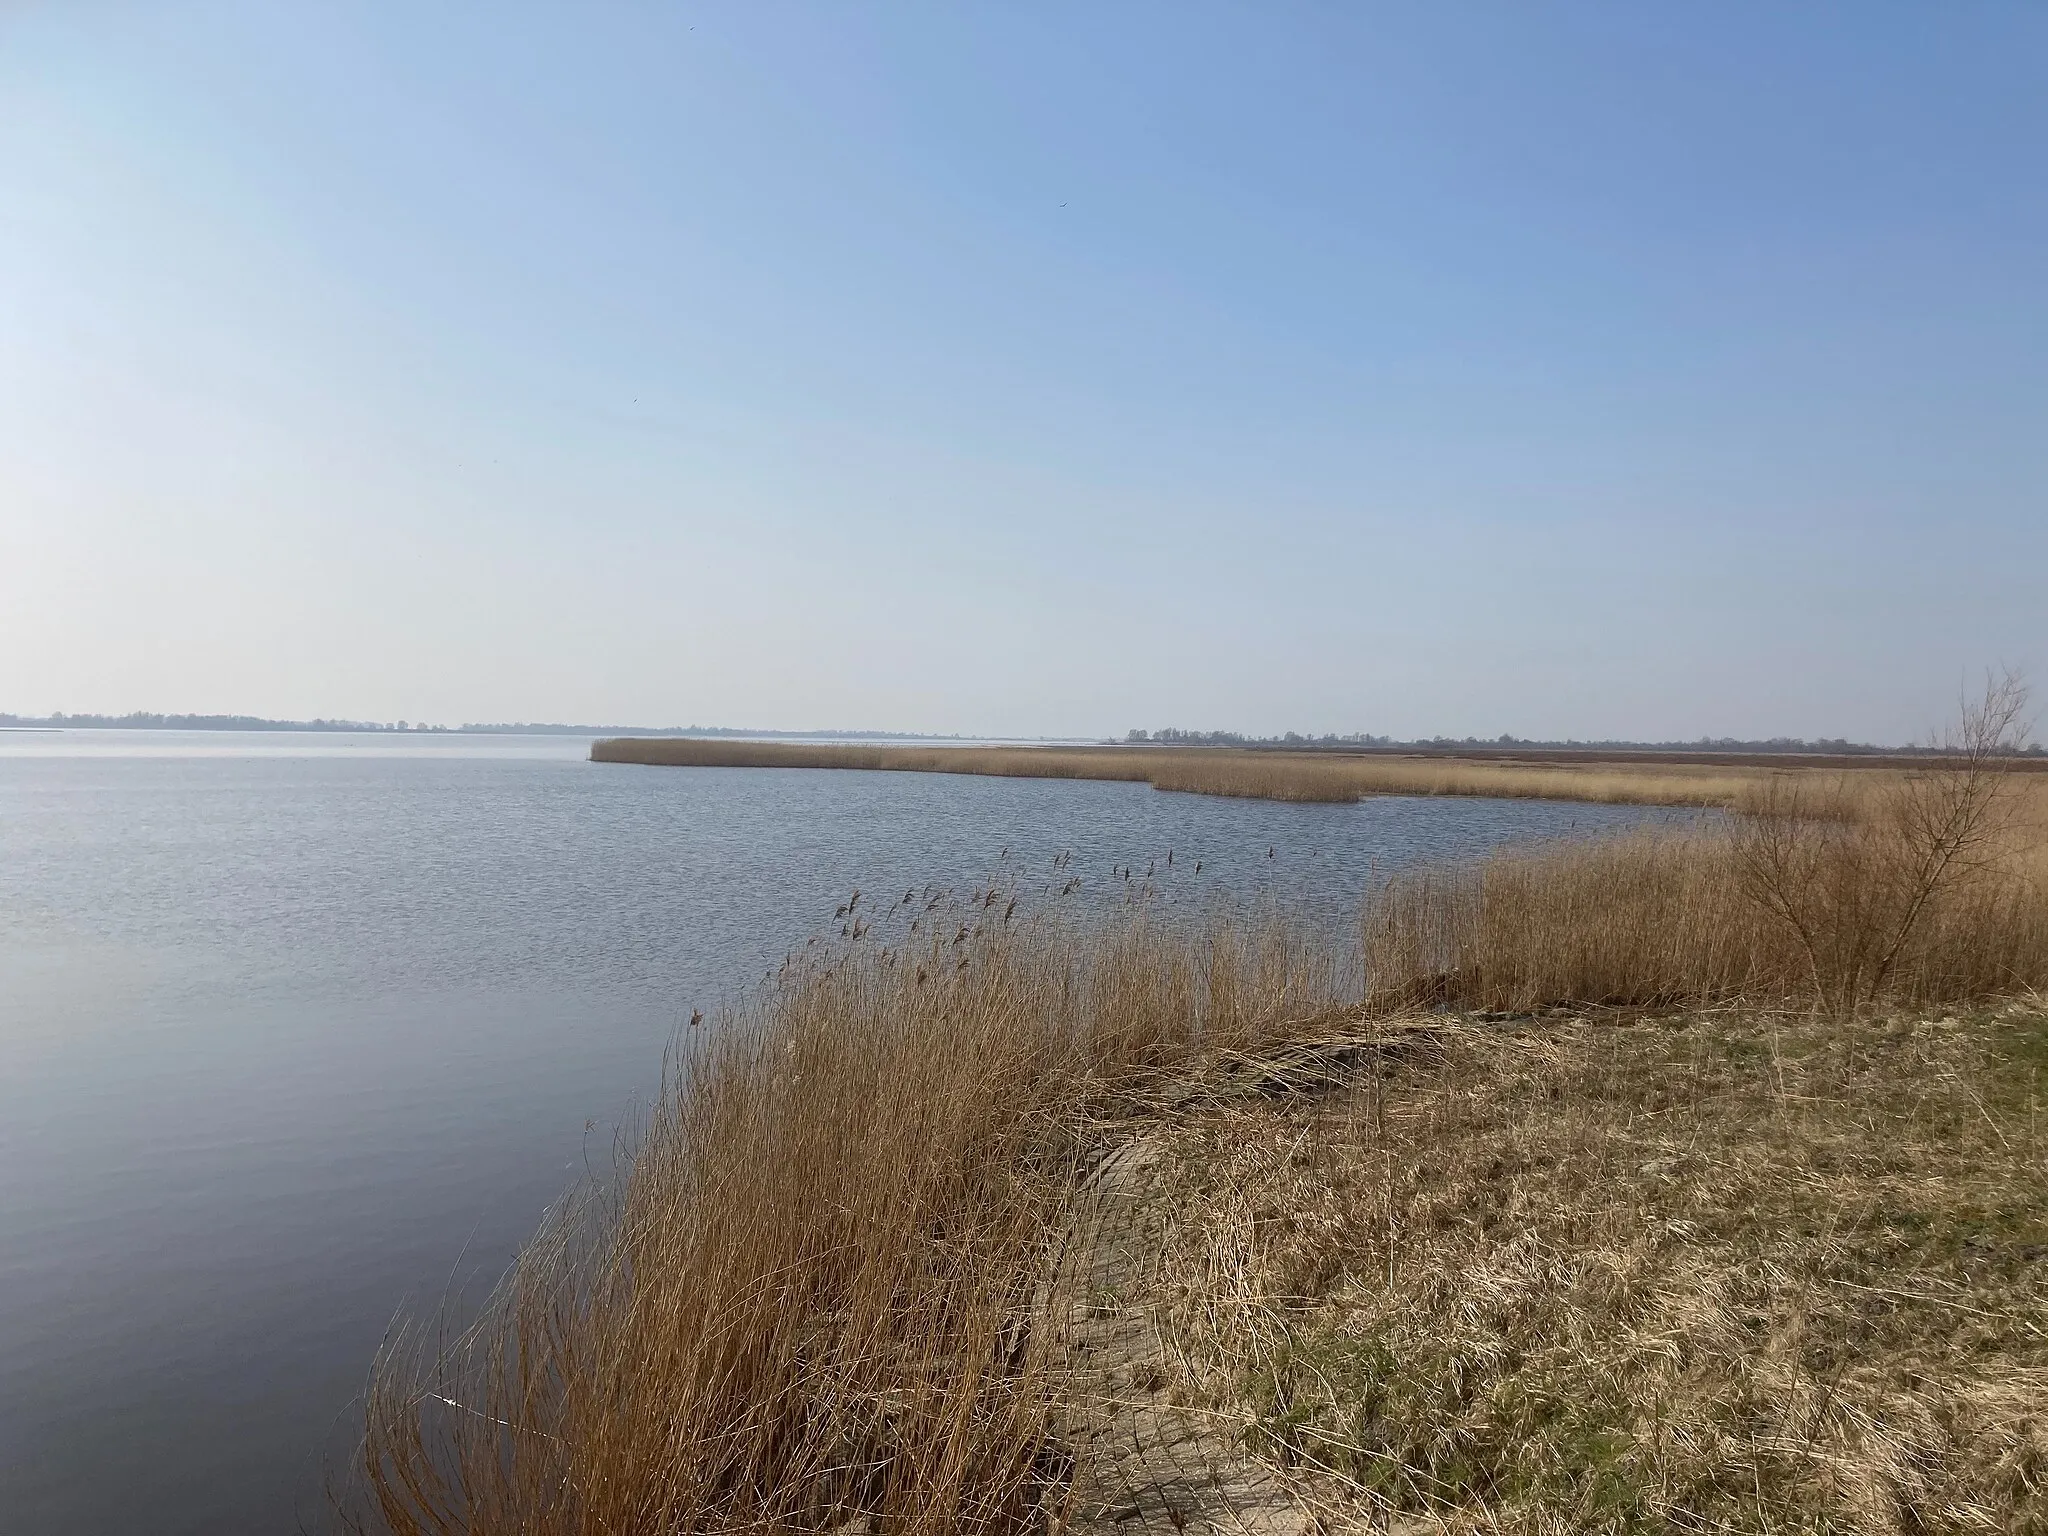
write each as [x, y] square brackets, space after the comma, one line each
[1853, 874]
[1925, 886]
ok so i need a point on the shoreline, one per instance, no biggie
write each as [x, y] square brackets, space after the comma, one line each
[1246, 773]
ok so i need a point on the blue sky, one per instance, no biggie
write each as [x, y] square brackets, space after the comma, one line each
[1634, 370]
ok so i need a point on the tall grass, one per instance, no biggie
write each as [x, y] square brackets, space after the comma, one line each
[1664, 919]
[1927, 886]
[1643, 918]
[1661, 918]
[807, 1301]
[1299, 776]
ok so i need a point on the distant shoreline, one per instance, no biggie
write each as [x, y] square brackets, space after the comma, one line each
[404, 728]
[1724, 752]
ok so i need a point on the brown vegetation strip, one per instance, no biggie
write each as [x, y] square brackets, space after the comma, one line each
[1268, 775]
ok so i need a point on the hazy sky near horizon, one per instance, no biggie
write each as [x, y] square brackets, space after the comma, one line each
[1594, 370]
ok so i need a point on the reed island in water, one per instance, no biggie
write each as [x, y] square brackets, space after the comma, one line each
[1702, 779]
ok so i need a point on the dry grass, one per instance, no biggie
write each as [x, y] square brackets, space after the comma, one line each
[1926, 886]
[1719, 1272]
[1664, 919]
[805, 1301]
[1268, 775]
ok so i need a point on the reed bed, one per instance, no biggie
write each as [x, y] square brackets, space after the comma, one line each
[1267, 775]
[1912, 888]
[1671, 919]
[804, 1303]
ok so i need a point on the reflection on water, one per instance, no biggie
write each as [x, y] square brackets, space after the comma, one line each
[294, 1030]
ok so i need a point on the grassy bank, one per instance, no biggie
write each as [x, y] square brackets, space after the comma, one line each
[813, 1301]
[1266, 775]
[1724, 1271]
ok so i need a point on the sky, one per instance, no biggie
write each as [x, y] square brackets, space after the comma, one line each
[1643, 371]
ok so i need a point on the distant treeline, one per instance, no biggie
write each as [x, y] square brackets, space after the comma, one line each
[1824, 746]
[142, 720]
[745, 732]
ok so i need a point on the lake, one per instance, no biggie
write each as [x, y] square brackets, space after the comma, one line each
[299, 1030]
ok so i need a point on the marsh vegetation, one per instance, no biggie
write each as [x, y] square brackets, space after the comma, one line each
[807, 1302]
[1261, 775]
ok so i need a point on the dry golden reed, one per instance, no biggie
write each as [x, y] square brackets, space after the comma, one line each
[1669, 919]
[806, 1302]
[1267, 775]
[1835, 890]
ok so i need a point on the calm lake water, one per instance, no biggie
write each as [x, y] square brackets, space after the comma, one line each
[295, 1029]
